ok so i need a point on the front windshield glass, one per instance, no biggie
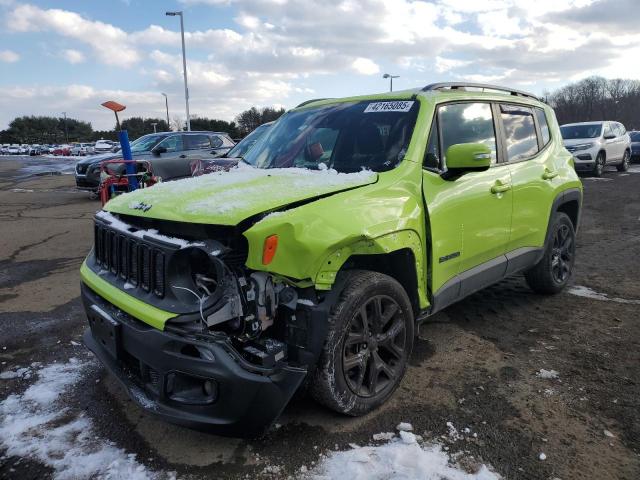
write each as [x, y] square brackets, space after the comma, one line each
[347, 137]
[589, 130]
[243, 146]
[145, 143]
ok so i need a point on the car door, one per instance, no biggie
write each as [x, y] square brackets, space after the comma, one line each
[168, 158]
[197, 147]
[468, 214]
[526, 142]
[610, 135]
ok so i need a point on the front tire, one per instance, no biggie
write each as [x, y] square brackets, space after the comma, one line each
[551, 274]
[599, 166]
[624, 165]
[370, 338]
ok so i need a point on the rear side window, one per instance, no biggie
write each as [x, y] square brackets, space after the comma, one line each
[519, 132]
[198, 142]
[172, 143]
[544, 126]
[466, 123]
[216, 141]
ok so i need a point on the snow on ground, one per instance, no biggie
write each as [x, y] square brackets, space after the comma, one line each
[38, 425]
[547, 374]
[586, 292]
[399, 459]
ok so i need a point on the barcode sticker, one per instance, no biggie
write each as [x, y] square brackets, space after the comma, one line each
[399, 106]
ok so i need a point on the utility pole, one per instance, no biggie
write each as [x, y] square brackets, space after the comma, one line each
[166, 104]
[184, 65]
[66, 133]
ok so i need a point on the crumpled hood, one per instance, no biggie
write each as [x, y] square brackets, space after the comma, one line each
[227, 198]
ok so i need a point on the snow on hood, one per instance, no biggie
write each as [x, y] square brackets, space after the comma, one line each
[227, 198]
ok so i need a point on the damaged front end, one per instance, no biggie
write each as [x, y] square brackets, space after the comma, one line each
[192, 333]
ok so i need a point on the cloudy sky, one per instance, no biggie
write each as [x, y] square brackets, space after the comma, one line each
[71, 55]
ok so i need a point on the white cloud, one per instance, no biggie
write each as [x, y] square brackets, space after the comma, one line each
[108, 42]
[364, 66]
[72, 56]
[9, 56]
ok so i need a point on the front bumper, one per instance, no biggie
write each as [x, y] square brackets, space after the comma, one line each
[83, 182]
[166, 373]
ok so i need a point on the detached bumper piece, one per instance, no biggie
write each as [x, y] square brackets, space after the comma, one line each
[200, 383]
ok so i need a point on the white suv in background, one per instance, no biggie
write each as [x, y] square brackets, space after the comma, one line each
[596, 144]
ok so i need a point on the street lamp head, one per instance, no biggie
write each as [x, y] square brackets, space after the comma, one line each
[172, 14]
[386, 75]
[163, 94]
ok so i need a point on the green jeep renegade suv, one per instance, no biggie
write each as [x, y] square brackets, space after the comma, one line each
[213, 299]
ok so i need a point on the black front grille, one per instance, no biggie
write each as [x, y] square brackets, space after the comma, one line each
[131, 259]
[81, 168]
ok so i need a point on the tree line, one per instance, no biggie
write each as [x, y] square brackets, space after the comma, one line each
[597, 98]
[54, 130]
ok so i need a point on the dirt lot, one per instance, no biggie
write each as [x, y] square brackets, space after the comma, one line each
[476, 365]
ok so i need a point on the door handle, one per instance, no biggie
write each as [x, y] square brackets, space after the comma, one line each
[549, 174]
[183, 156]
[500, 187]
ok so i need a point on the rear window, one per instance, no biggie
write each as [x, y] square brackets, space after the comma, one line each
[198, 142]
[635, 136]
[519, 132]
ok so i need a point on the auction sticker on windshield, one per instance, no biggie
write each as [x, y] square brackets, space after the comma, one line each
[401, 106]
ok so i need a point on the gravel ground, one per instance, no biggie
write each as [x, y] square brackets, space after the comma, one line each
[477, 364]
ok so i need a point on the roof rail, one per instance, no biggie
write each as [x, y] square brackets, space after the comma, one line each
[483, 86]
[306, 102]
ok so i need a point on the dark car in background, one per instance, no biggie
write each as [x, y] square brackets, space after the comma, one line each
[237, 153]
[635, 145]
[169, 153]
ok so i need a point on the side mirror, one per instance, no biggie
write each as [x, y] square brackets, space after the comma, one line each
[159, 150]
[468, 156]
[609, 136]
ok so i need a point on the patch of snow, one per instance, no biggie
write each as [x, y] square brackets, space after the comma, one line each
[404, 427]
[602, 179]
[542, 456]
[123, 227]
[407, 437]
[386, 436]
[453, 432]
[586, 292]
[396, 460]
[607, 433]
[37, 424]
[128, 286]
[547, 374]
[236, 189]
[17, 373]
[306, 301]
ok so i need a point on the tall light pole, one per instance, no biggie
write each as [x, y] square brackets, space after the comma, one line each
[166, 103]
[390, 77]
[66, 133]
[184, 65]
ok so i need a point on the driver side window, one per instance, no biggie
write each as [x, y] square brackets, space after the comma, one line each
[172, 144]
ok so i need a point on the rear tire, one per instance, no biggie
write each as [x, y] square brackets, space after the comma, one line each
[370, 338]
[552, 273]
[599, 166]
[624, 165]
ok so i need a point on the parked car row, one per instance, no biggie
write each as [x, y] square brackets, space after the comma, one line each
[76, 149]
[597, 144]
[170, 155]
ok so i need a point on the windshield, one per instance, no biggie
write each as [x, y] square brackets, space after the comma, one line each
[145, 143]
[243, 146]
[347, 137]
[589, 130]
